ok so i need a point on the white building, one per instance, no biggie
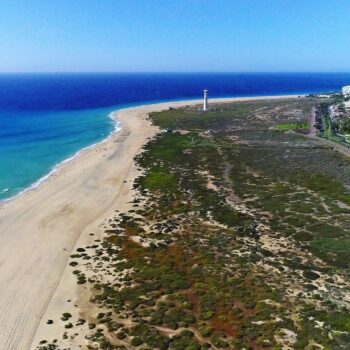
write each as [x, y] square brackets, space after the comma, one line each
[346, 105]
[346, 90]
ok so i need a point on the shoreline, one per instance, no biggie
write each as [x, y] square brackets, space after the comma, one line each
[117, 127]
[57, 167]
[40, 228]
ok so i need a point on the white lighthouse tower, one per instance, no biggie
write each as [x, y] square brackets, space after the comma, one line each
[205, 101]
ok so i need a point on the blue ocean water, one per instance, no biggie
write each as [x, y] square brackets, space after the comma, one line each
[47, 118]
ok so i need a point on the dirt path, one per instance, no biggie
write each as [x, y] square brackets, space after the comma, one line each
[171, 332]
[337, 147]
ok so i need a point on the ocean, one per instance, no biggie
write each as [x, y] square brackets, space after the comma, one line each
[46, 119]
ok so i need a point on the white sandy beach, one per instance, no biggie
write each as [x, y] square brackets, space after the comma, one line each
[40, 228]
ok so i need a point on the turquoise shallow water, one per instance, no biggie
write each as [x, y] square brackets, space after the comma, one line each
[32, 143]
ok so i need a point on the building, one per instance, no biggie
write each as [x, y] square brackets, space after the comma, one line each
[346, 105]
[346, 90]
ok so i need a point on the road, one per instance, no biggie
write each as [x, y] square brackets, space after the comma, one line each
[313, 130]
[313, 135]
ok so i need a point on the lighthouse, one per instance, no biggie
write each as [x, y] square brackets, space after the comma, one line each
[205, 101]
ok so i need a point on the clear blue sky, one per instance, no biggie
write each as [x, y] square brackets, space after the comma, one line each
[177, 35]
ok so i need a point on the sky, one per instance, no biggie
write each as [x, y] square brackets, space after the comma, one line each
[174, 36]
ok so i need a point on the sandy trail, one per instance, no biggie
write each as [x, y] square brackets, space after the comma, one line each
[39, 229]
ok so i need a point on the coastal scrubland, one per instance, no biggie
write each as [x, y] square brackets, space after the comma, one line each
[238, 238]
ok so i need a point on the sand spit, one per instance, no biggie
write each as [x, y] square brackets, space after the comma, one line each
[40, 228]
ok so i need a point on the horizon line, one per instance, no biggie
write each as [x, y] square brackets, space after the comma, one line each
[175, 72]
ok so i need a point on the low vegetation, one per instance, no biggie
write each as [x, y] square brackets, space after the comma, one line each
[238, 239]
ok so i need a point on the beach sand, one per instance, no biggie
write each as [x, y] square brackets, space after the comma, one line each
[40, 228]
